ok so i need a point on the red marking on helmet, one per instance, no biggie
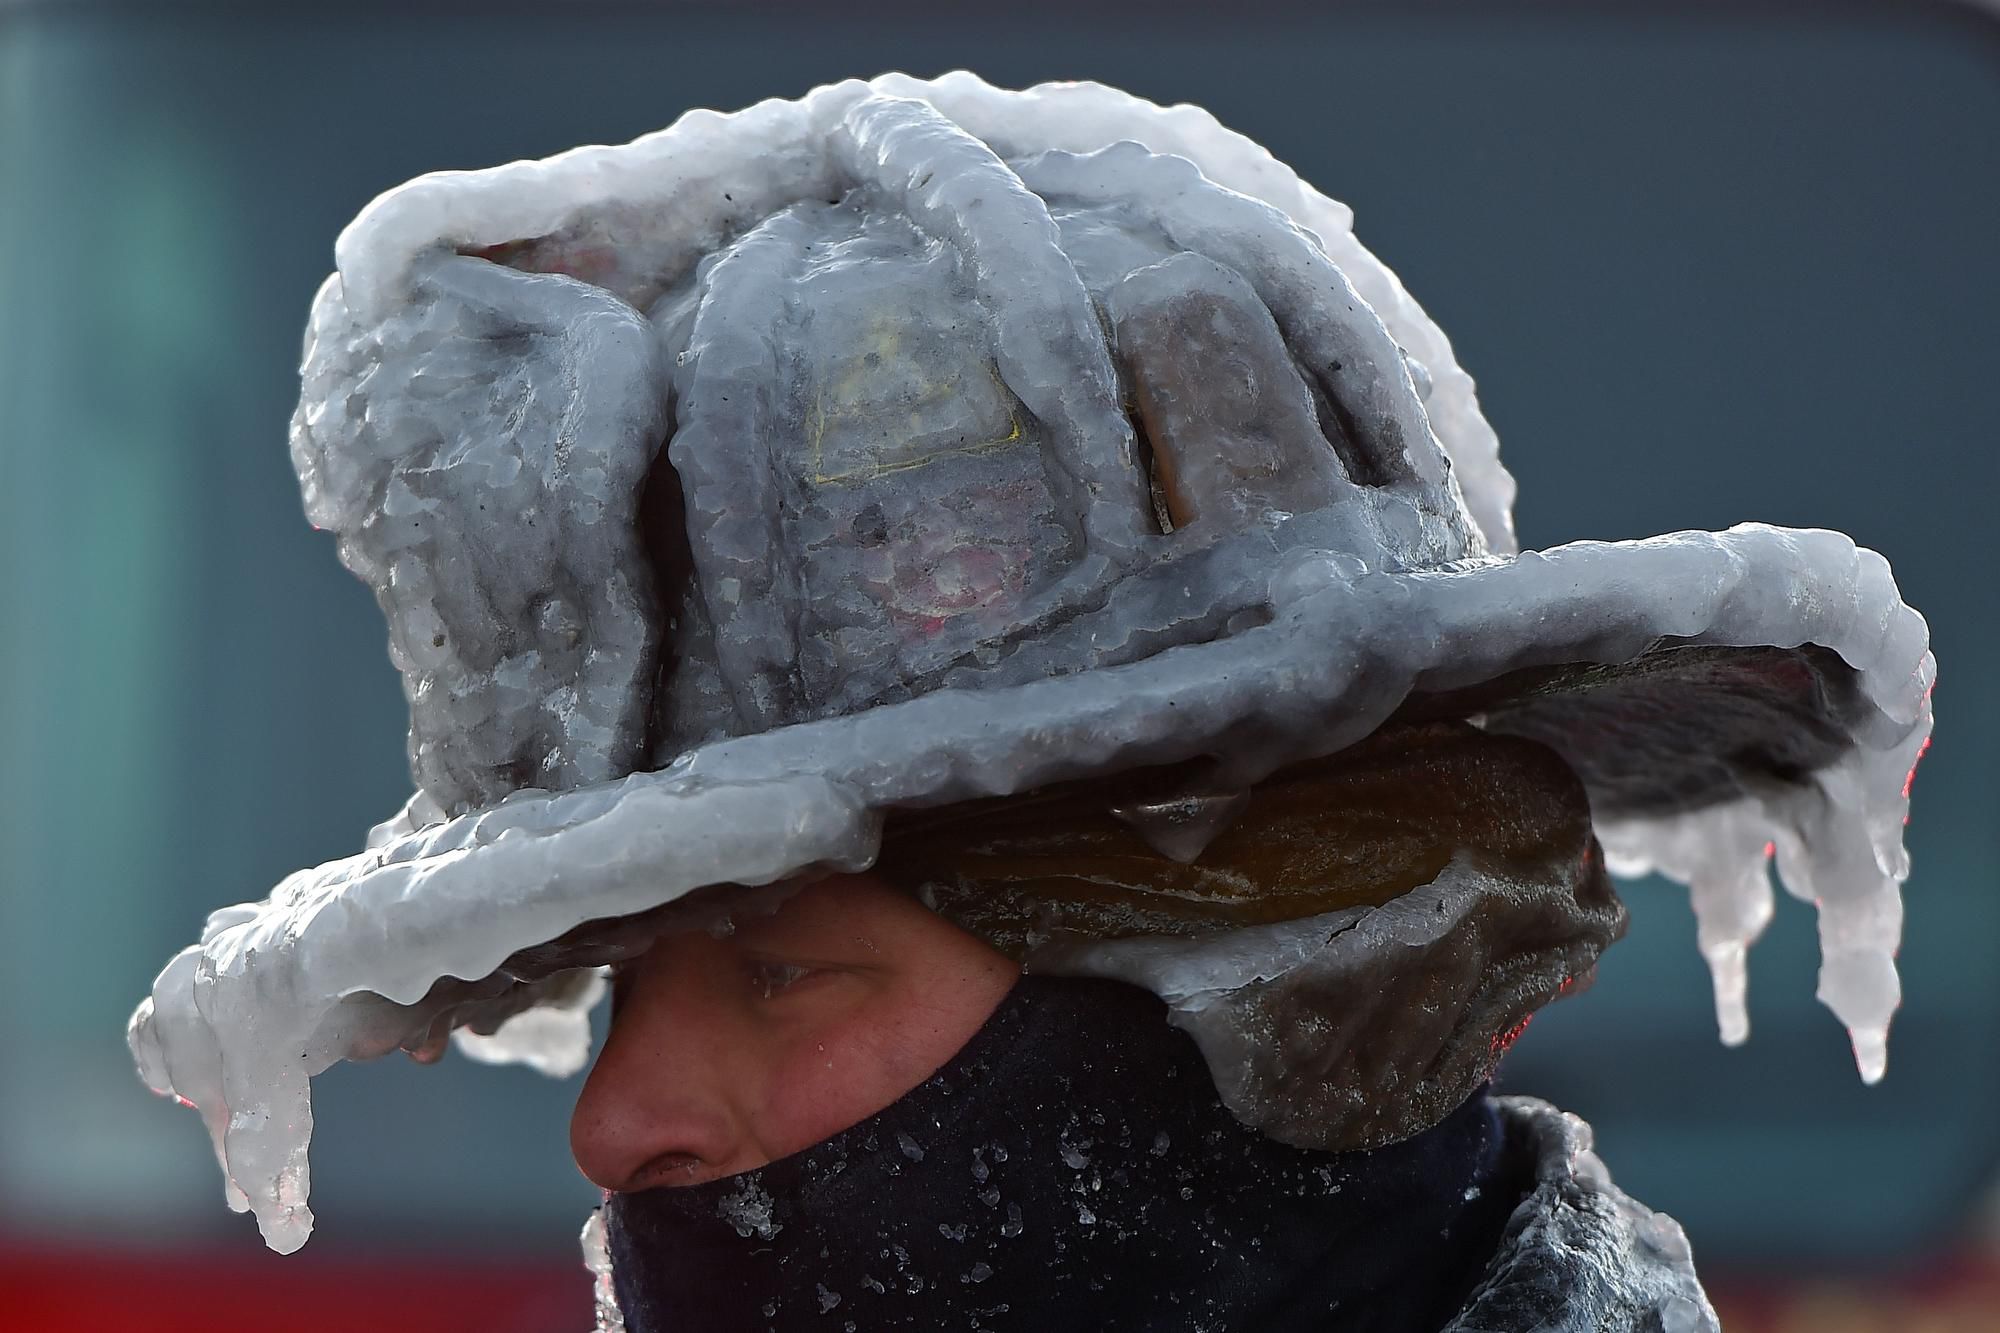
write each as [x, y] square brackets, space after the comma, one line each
[943, 571]
[1502, 1040]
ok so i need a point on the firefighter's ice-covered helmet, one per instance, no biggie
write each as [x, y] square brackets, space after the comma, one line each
[918, 445]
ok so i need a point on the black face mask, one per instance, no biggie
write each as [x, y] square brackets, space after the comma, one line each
[1070, 1169]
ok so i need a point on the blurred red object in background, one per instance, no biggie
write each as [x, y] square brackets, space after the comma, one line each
[1954, 1296]
[67, 1290]
[250, 1290]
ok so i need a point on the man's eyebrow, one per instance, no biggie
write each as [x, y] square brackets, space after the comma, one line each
[800, 942]
[751, 927]
[804, 957]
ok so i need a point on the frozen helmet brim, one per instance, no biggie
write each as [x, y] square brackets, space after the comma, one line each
[346, 959]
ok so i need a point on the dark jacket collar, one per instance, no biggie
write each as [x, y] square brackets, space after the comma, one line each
[1579, 1255]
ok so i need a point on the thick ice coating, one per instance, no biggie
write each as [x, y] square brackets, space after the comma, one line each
[497, 393]
[734, 490]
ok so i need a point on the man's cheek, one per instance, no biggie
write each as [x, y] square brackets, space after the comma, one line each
[835, 1075]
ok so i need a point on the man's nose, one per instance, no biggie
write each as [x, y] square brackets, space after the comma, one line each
[655, 1109]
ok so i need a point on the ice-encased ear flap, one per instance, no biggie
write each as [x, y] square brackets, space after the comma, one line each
[479, 454]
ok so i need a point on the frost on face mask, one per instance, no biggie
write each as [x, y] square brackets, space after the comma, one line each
[737, 491]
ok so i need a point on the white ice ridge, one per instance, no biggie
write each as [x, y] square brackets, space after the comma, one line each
[341, 960]
[710, 175]
[550, 1035]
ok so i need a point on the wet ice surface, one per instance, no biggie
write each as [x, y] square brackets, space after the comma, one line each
[479, 438]
[524, 660]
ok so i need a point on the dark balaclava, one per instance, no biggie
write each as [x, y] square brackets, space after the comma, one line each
[1071, 1169]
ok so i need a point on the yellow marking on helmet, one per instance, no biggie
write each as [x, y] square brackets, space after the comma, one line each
[869, 473]
[882, 341]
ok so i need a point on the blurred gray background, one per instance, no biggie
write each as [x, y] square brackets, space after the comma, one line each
[1708, 264]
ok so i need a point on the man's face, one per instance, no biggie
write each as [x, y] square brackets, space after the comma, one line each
[728, 1053]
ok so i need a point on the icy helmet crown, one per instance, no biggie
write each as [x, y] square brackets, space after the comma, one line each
[962, 422]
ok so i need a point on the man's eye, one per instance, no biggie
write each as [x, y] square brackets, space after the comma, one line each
[769, 978]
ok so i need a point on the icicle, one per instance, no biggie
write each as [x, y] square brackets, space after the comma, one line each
[1721, 855]
[1182, 828]
[1731, 913]
[597, 1258]
[1838, 842]
[1843, 852]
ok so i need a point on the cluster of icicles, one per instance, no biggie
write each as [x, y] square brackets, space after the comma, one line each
[1838, 844]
